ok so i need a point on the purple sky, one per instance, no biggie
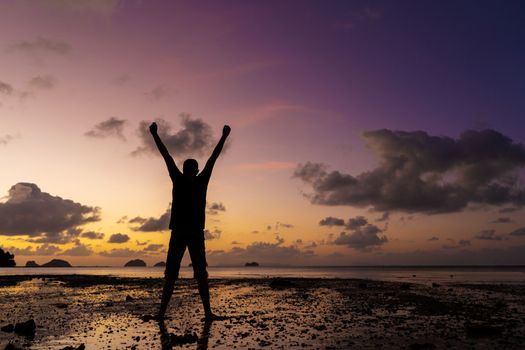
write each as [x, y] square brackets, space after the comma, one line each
[325, 100]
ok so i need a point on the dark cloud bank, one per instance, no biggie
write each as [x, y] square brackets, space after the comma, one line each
[428, 174]
[42, 216]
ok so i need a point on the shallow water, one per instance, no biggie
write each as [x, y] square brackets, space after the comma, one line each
[423, 275]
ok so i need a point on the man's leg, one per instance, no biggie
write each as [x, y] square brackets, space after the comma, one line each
[198, 259]
[175, 252]
[169, 285]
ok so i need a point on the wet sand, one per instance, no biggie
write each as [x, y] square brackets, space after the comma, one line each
[101, 312]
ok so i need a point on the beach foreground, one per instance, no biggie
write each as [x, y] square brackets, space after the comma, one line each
[101, 312]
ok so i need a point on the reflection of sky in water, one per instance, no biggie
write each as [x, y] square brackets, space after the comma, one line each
[423, 275]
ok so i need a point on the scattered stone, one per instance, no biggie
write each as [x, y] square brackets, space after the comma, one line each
[404, 286]
[80, 347]
[483, 330]
[12, 346]
[129, 298]
[26, 328]
[281, 283]
[8, 328]
[435, 285]
[187, 338]
[422, 346]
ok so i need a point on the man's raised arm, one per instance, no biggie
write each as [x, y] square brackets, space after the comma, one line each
[172, 167]
[217, 151]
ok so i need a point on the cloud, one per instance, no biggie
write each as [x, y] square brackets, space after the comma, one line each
[4, 140]
[271, 165]
[279, 225]
[505, 220]
[355, 223]
[363, 236]
[518, 232]
[113, 127]
[488, 235]
[215, 208]
[331, 221]
[118, 238]
[5, 88]
[514, 255]
[433, 238]
[41, 250]
[42, 82]
[194, 139]
[41, 45]
[103, 8]
[29, 211]
[122, 79]
[79, 249]
[152, 224]
[359, 17]
[508, 210]
[264, 253]
[121, 253]
[215, 234]
[384, 217]
[153, 247]
[461, 244]
[92, 235]
[158, 92]
[419, 173]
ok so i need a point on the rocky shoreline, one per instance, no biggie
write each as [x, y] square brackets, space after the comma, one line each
[92, 312]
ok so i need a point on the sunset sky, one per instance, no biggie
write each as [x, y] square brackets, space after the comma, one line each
[363, 132]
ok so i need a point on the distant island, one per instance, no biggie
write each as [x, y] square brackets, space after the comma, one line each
[252, 264]
[31, 263]
[57, 263]
[135, 263]
[7, 259]
[160, 264]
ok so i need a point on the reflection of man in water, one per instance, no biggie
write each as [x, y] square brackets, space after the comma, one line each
[187, 220]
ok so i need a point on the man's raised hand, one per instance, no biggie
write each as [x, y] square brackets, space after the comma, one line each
[153, 128]
[226, 130]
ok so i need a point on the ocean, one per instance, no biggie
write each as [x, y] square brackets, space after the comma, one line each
[412, 274]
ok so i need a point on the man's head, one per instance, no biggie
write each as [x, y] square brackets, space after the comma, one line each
[190, 167]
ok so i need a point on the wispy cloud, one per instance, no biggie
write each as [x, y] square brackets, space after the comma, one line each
[6, 88]
[41, 250]
[102, 8]
[42, 82]
[112, 127]
[4, 140]
[158, 92]
[269, 165]
[41, 45]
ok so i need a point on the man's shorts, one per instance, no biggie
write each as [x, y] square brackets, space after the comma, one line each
[178, 243]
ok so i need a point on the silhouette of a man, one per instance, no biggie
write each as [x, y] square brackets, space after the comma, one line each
[187, 220]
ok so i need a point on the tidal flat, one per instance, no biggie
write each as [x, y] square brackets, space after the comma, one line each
[104, 312]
